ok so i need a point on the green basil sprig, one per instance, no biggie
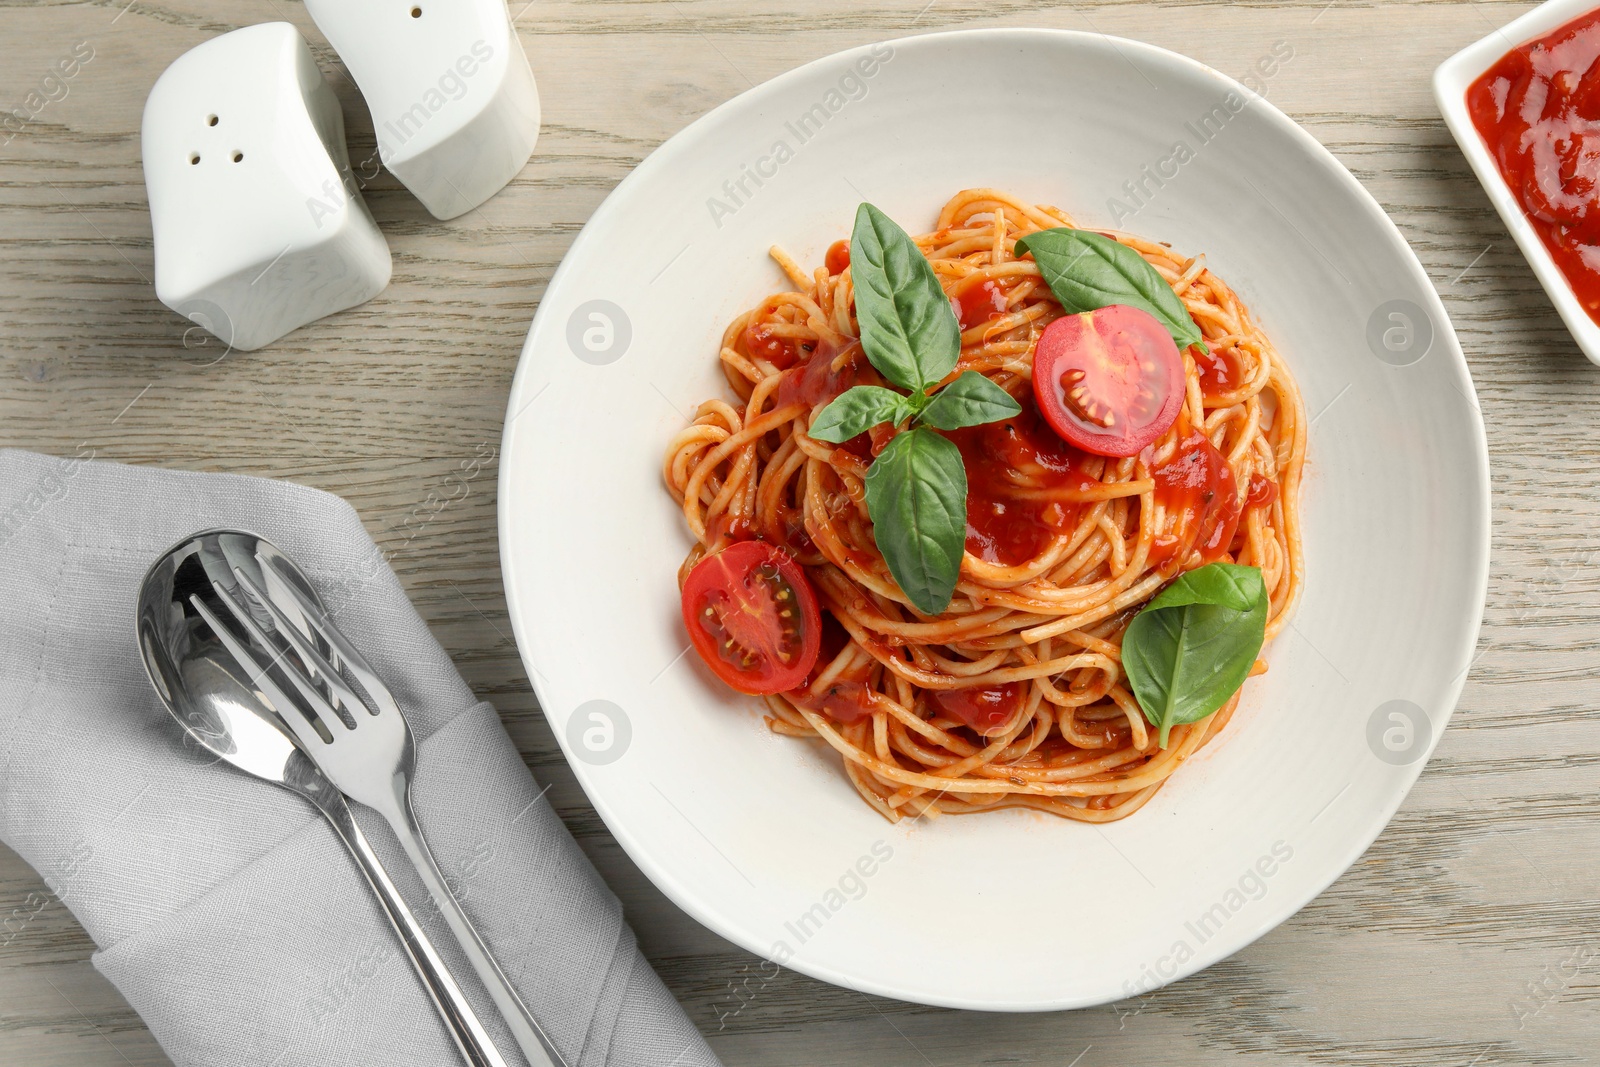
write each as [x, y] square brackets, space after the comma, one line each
[917, 487]
[1193, 645]
[1087, 271]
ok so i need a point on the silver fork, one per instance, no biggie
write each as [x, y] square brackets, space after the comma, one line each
[368, 753]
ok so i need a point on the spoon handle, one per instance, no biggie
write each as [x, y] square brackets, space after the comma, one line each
[530, 1036]
[469, 1034]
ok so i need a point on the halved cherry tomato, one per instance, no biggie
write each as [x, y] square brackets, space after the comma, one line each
[753, 617]
[988, 709]
[1110, 381]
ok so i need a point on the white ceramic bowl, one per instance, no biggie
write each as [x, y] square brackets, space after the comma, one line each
[1451, 80]
[761, 837]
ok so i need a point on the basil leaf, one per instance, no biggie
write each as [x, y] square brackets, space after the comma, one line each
[908, 329]
[970, 400]
[917, 498]
[1087, 271]
[857, 410]
[1193, 645]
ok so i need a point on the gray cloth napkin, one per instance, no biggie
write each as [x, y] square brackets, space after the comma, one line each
[223, 907]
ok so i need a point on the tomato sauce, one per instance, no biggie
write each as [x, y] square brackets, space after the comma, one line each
[845, 702]
[787, 529]
[765, 343]
[1002, 527]
[980, 303]
[815, 381]
[1198, 486]
[1263, 492]
[1219, 372]
[848, 700]
[1538, 111]
[727, 527]
[987, 709]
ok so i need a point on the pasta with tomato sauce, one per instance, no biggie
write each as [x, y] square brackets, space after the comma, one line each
[1015, 694]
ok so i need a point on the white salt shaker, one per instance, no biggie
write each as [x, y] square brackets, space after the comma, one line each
[258, 224]
[453, 100]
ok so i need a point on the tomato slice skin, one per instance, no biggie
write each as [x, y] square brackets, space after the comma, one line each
[733, 607]
[988, 709]
[1110, 380]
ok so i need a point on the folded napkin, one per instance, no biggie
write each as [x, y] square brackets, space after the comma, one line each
[223, 907]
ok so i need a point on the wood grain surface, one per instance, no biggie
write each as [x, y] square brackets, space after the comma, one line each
[1468, 934]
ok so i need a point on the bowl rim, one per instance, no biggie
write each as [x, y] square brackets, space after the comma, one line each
[1451, 79]
[1240, 936]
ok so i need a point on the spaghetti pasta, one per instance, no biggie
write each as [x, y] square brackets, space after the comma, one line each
[1062, 547]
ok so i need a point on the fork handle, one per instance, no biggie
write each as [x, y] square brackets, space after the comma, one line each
[465, 1028]
[530, 1037]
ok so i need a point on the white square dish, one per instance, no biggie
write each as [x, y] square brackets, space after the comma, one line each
[1451, 80]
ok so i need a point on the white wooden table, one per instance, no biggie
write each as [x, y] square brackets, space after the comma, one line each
[1469, 934]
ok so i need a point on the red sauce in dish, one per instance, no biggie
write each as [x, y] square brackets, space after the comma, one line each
[1002, 527]
[1538, 111]
[818, 380]
[786, 527]
[845, 701]
[981, 303]
[1198, 485]
[1219, 372]
[1263, 492]
[726, 527]
[848, 700]
[987, 709]
[761, 341]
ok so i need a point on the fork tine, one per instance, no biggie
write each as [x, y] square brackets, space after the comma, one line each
[313, 696]
[318, 618]
[309, 653]
[288, 714]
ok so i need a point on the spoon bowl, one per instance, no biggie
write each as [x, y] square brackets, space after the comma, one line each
[199, 681]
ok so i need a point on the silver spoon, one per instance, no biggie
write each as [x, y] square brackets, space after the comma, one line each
[211, 694]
